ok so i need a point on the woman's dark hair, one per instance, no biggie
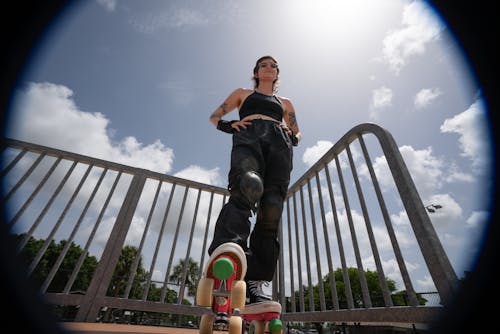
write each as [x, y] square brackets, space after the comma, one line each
[256, 69]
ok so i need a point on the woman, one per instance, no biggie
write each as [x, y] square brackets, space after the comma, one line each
[261, 163]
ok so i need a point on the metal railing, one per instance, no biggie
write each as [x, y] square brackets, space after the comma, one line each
[339, 207]
[338, 230]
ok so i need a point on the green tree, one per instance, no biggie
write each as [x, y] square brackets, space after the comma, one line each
[48, 260]
[400, 298]
[191, 281]
[372, 281]
[374, 289]
[118, 281]
[121, 274]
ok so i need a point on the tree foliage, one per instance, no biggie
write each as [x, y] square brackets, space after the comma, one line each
[120, 277]
[49, 258]
[191, 280]
[374, 290]
[129, 259]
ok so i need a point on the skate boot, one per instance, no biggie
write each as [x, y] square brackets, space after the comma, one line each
[261, 314]
[222, 289]
[255, 292]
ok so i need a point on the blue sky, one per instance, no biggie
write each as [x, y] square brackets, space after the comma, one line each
[135, 82]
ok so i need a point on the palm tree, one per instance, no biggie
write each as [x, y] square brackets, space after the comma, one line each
[191, 280]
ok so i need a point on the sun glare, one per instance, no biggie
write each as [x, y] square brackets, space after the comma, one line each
[342, 20]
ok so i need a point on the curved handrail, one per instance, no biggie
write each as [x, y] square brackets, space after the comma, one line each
[441, 270]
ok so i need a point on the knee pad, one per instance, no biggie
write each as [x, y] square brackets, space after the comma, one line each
[273, 197]
[270, 211]
[251, 187]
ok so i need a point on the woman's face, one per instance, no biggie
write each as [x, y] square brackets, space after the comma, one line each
[267, 68]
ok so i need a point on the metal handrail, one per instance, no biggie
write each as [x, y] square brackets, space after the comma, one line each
[167, 203]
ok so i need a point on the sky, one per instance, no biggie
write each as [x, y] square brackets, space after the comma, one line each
[136, 81]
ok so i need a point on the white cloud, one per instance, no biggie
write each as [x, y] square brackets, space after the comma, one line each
[470, 125]
[405, 237]
[46, 114]
[400, 218]
[381, 98]
[420, 26]
[171, 18]
[135, 231]
[449, 213]
[314, 153]
[425, 97]
[109, 5]
[429, 174]
[477, 218]
[101, 238]
[426, 284]
[198, 174]
[425, 169]
[187, 17]
[456, 175]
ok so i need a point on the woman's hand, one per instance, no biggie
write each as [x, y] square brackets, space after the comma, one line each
[286, 128]
[238, 125]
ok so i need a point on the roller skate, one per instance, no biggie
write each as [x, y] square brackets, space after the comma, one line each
[222, 289]
[261, 314]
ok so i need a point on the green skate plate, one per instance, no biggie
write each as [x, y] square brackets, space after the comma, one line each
[275, 325]
[223, 268]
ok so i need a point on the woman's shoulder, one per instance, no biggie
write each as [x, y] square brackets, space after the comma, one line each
[242, 93]
[284, 100]
[241, 90]
[238, 95]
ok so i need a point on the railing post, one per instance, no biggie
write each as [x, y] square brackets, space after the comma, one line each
[92, 302]
[439, 265]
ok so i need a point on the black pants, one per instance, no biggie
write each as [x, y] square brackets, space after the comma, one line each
[264, 148]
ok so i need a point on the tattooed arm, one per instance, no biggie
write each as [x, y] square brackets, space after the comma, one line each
[290, 119]
[229, 104]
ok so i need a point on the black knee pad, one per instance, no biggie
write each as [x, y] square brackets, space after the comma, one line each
[270, 211]
[273, 197]
[251, 187]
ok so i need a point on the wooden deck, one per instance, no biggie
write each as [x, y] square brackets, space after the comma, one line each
[100, 328]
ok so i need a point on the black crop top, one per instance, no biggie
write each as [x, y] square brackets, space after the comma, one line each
[257, 103]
